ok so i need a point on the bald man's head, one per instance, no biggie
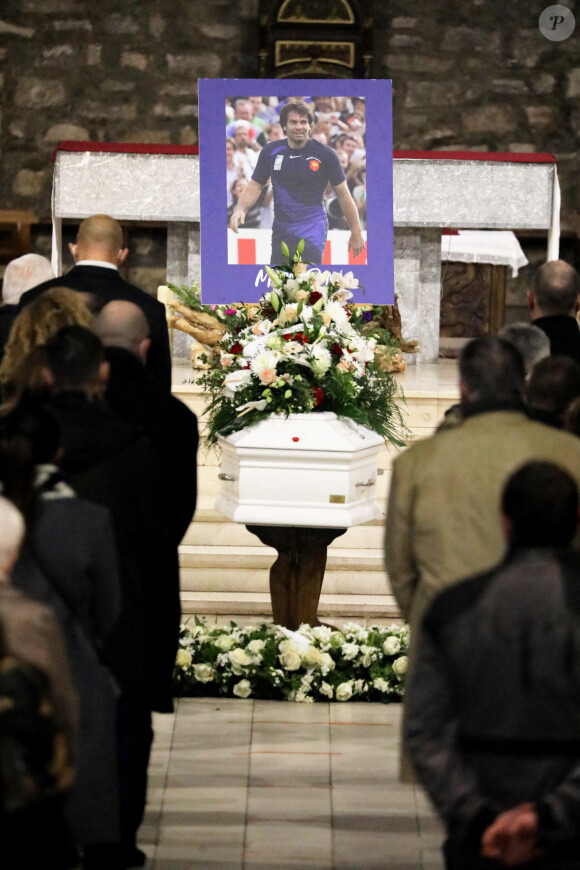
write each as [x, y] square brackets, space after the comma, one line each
[100, 237]
[123, 324]
[555, 289]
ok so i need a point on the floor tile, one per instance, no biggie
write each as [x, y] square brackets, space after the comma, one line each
[262, 785]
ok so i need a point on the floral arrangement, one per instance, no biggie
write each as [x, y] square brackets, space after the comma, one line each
[273, 663]
[302, 348]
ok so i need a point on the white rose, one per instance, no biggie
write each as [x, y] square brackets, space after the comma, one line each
[344, 691]
[243, 689]
[312, 657]
[203, 673]
[350, 651]
[256, 646]
[287, 645]
[239, 659]
[391, 646]
[326, 662]
[381, 685]
[320, 360]
[183, 658]
[224, 642]
[400, 665]
[326, 689]
[290, 660]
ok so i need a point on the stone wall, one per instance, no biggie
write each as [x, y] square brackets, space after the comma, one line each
[480, 75]
[73, 69]
[476, 74]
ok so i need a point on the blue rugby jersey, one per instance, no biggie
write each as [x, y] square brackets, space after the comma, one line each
[299, 178]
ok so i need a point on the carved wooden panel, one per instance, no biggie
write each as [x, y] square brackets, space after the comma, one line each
[472, 300]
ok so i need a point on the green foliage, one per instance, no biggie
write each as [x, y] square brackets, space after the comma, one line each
[190, 295]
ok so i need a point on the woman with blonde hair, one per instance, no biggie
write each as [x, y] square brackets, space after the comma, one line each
[32, 328]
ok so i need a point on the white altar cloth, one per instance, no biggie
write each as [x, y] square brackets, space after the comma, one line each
[500, 248]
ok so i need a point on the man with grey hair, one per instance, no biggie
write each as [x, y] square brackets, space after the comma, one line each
[19, 276]
[531, 341]
[553, 302]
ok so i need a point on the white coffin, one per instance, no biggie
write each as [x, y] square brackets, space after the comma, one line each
[302, 470]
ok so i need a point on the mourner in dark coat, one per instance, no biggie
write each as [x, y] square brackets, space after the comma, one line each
[134, 395]
[110, 461]
[71, 544]
[97, 253]
[553, 302]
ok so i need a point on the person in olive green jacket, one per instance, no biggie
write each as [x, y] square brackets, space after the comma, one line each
[443, 517]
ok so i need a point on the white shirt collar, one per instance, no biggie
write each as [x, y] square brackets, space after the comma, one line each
[102, 263]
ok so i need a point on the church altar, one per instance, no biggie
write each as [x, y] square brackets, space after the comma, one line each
[142, 183]
[432, 190]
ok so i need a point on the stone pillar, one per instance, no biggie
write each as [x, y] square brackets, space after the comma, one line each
[418, 287]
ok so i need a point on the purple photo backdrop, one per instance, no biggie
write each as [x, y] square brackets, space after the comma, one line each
[222, 282]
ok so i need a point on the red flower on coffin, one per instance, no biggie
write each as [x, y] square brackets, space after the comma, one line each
[319, 396]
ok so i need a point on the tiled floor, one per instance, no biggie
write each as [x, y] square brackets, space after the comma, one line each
[264, 785]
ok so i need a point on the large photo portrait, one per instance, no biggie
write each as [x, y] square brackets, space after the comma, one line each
[279, 170]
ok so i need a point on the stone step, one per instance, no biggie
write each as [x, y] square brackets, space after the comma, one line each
[339, 559]
[255, 580]
[257, 606]
[217, 531]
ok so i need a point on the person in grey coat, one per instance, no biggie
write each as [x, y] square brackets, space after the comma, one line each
[492, 708]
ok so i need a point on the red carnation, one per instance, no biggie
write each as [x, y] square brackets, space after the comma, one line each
[336, 349]
[314, 297]
[236, 348]
[318, 394]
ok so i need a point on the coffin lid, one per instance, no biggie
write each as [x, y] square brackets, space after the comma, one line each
[320, 431]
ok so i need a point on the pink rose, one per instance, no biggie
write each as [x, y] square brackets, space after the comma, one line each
[268, 376]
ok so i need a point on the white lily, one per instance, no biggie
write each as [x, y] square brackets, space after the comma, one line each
[236, 379]
[252, 406]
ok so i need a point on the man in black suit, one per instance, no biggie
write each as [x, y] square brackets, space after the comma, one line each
[97, 253]
[553, 302]
[133, 394]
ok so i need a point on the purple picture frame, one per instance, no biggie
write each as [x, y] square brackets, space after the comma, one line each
[226, 283]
